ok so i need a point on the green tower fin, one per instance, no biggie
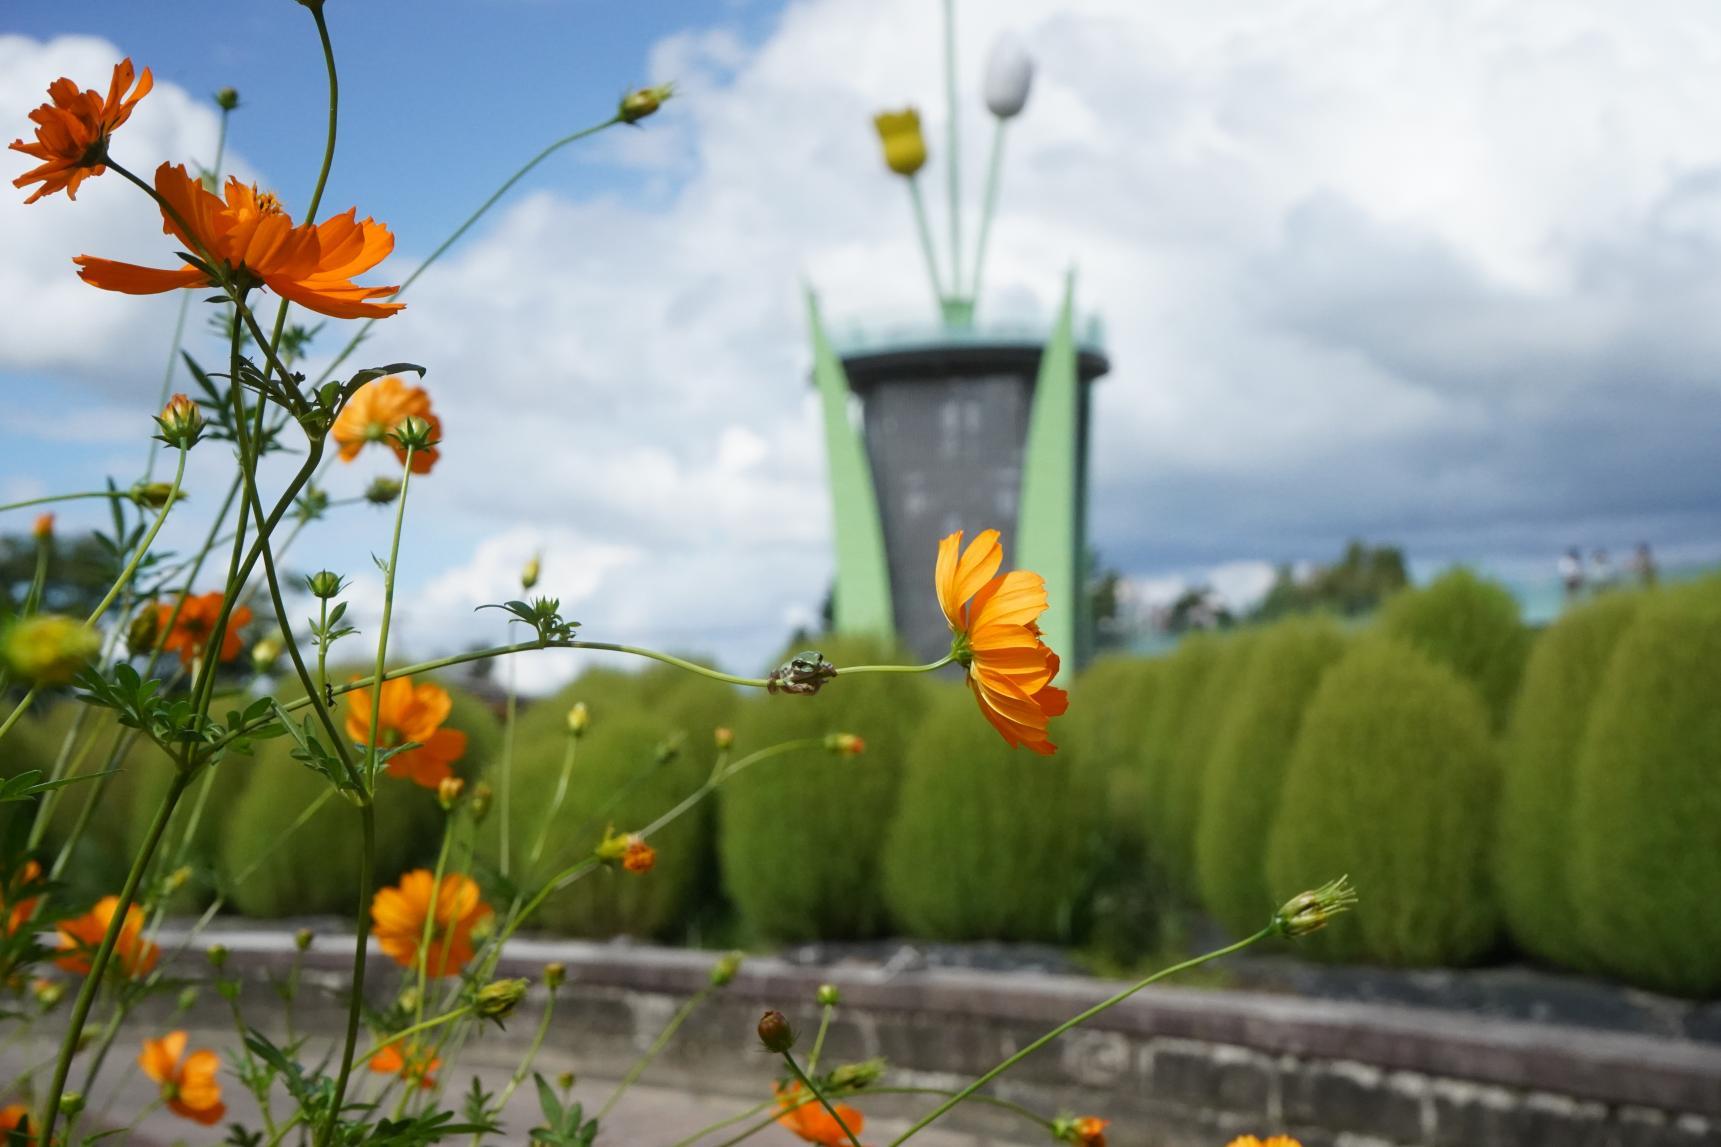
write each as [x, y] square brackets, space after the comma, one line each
[1046, 539]
[862, 603]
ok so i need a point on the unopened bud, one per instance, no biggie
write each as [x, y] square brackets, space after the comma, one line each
[529, 574]
[187, 997]
[43, 530]
[1309, 911]
[178, 878]
[854, 1076]
[140, 636]
[638, 104]
[48, 648]
[382, 491]
[217, 956]
[828, 995]
[265, 653]
[480, 806]
[723, 737]
[723, 971]
[325, 584]
[48, 993]
[407, 1000]
[775, 1032]
[415, 433]
[565, 1081]
[496, 1000]
[448, 792]
[845, 744]
[579, 719]
[153, 495]
[227, 99]
[71, 1103]
[181, 422]
[554, 975]
[302, 939]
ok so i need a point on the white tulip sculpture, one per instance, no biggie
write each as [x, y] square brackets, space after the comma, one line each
[1009, 75]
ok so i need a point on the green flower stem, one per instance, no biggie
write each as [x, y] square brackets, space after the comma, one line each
[1076, 1021]
[19, 710]
[537, 1044]
[120, 495]
[825, 1015]
[142, 547]
[461, 230]
[927, 668]
[505, 786]
[367, 862]
[420, 1026]
[994, 167]
[925, 237]
[99, 962]
[556, 799]
[855, 1093]
[657, 1045]
[729, 1122]
[423, 961]
[121, 746]
[954, 164]
[334, 114]
[789, 1058]
[378, 673]
[63, 762]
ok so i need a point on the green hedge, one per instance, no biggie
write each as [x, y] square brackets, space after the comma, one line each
[1246, 771]
[1179, 690]
[1104, 737]
[1469, 624]
[1534, 846]
[312, 869]
[988, 842]
[1646, 820]
[800, 837]
[1393, 781]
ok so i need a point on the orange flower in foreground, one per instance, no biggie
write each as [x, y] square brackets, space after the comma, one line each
[415, 1066]
[1275, 1141]
[16, 903]
[256, 244]
[190, 1088]
[409, 713]
[72, 131]
[639, 857]
[13, 1117]
[80, 937]
[196, 621]
[812, 1122]
[1090, 1131]
[372, 414]
[993, 616]
[398, 915]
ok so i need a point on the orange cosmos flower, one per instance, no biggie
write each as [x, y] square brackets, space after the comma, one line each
[255, 244]
[72, 131]
[15, 905]
[372, 414]
[196, 621]
[1010, 669]
[13, 1117]
[43, 530]
[414, 714]
[415, 1066]
[1090, 1131]
[812, 1122]
[80, 937]
[1275, 1141]
[398, 915]
[639, 856]
[190, 1088]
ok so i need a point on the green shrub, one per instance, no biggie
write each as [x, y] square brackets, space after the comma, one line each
[683, 702]
[1646, 819]
[1393, 781]
[800, 838]
[1104, 735]
[1179, 688]
[1533, 849]
[1472, 626]
[988, 842]
[271, 868]
[1246, 772]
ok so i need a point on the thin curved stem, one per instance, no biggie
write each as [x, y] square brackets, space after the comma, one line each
[334, 113]
[143, 546]
[831, 1108]
[925, 237]
[45, 499]
[651, 1053]
[927, 668]
[994, 167]
[421, 1025]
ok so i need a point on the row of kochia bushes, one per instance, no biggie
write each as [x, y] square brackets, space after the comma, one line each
[1485, 788]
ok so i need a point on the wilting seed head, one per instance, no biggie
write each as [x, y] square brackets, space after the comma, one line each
[775, 1032]
[845, 744]
[181, 422]
[217, 956]
[1309, 911]
[448, 792]
[723, 971]
[227, 99]
[638, 104]
[302, 939]
[579, 719]
[828, 996]
[554, 975]
[153, 495]
[529, 573]
[724, 738]
[325, 584]
[414, 433]
[382, 491]
[48, 648]
[496, 1000]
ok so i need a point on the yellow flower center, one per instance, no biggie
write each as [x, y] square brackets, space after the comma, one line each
[267, 204]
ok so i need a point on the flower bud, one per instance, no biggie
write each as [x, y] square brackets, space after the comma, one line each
[554, 975]
[904, 147]
[177, 879]
[1009, 74]
[43, 530]
[775, 1032]
[227, 99]
[639, 856]
[448, 792]
[724, 738]
[407, 1000]
[217, 956]
[181, 422]
[141, 634]
[495, 1001]
[325, 584]
[853, 1076]
[302, 939]
[48, 648]
[415, 433]
[1309, 911]
[529, 574]
[480, 806]
[638, 104]
[48, 993]
[1081, 1131]
[845, 744]
[71, 1103]
[828, 995]
[153, 495]
[565, 1081]
[579, 719]
[723, 971]
[265, 653]
[382, 491]
[187, 998]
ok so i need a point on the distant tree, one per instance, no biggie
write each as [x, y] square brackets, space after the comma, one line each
[80, 570]
[1356, 584]
[1198, 608]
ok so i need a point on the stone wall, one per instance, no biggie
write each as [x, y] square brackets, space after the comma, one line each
[1171, 1067]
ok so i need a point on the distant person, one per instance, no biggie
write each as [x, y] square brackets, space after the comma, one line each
[1643, 566]
[1603, 575]
[1572, 573]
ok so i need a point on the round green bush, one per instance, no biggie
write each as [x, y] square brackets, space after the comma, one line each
[1179, 688]
[800, 837]
[988, 842]
[1533, 849]
[684, 702]
[1393, 781]
[1470, 624]
[1104, 736]
[1646, 818]
[1247, 769]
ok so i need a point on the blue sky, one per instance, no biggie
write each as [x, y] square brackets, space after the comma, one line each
[1441, 273]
